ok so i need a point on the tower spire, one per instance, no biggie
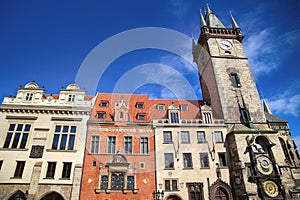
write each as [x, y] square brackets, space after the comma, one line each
[203, 22]
[266, 107]
[211, 19]
[233, 22]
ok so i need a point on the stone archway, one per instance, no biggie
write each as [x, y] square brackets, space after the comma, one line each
[220, 191]
[173, 197]
[52, 196]
[18, 195]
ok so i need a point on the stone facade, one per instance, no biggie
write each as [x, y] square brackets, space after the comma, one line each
[42, 142]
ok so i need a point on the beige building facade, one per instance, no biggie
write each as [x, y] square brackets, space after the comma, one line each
[42, 143]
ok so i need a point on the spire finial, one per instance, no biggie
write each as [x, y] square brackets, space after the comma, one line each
[208, 9]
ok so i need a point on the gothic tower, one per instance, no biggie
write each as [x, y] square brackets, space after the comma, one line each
[251, 142]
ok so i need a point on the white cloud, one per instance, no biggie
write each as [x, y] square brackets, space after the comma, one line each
[178, 7]
[288, 105]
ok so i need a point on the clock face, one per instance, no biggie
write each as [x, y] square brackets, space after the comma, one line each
[225, 44]
[270, 188]
[264, 165]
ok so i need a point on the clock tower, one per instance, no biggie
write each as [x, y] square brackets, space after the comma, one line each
[226, 79]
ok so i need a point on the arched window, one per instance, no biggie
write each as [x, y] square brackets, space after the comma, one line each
[285, 151]
[52, 196]
[19, 195]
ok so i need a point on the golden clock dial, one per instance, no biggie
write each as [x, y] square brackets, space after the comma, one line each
[264, 165]
[270, 188]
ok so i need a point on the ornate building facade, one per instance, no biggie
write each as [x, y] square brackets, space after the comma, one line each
[42, 143]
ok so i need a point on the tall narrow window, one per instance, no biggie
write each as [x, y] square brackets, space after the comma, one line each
[201, 136]
[101, 115]
[1, 163]
[169, 161]
[51, 170]
[144, 145]
[111, 146]
[64, 137]
[17, 136]
[187, 160]
[174, 117]
[19, 169]
[222, 160]
[128, 145]
[130, 182]
[104, 182]
[167, 136]
[95, 144]
[66, 173]
[207, 118]
[204, 160]
[235, 80]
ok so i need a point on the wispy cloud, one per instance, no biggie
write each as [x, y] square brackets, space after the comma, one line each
[178, 7]
[289, 105]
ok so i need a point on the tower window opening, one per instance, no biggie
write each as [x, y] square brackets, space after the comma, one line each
[235, 80]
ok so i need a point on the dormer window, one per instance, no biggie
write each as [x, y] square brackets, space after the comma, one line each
[184, 107]
[140, 105]
[174, 117]
[103, 104]
[71, 98]
[101, 115]
[29, 96]
[141, 116]
[235, 80]
[160, 107]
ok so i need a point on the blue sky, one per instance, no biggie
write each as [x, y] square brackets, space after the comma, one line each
[48, 41]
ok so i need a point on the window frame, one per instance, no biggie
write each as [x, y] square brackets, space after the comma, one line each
[19, 170]
[160, 107]
[101, 115]
[187, 161]
[140, 105]
[51, 168]
[202, 138]
[95, 144]
[66, 171]
[170, 141]
[222, 157]
[64, 137]
[235, 80]
[111, 140]
[144, 145]
[17, 136]
[128, 145]
[169, 164]
[204, 163]
[172, 185]
[219, 137]
[185, 137]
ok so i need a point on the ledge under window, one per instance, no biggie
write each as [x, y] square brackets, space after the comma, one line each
[58, 150]
[12, 149]
[124, 191]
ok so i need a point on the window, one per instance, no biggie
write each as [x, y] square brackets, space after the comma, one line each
[117, 181]
[28, 96]
[64, 137]
[204, 160]
[95, 144]
[128, 145]
[101, 115]
[1, 163]
[142, 165]
[103, 104]
[174, 117]
[201, 136]
[144, 145]
[207, 118]
[19, 169]
[17, 136]
[195, 191]
[235, 80]
[219, 136]
[222, 160]
[71, 98]
[140, 105]
[167, 136]
[185, 137]
[104, 182]
[130, 182]
[141, 116]
[94, 163]
[160, 107]
[187, 160]
[171, 185]
[66, 173]
[184, 107]
[169, 161]
[51, 170]
[111, 146]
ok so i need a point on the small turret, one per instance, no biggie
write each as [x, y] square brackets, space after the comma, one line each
[211, 19]
[203, 22]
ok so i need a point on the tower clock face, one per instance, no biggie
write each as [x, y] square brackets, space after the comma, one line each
[225, 44]
[270, 188]
[264, 165]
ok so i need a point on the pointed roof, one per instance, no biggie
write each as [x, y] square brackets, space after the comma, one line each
[269, 115]
[211, 19]
[203, 22]
[233, 22]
